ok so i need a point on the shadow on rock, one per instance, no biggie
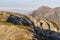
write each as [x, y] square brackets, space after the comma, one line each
[41, 34]
[20, 21]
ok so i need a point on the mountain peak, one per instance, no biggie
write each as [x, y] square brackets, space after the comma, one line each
[44, 7]
[52, 14]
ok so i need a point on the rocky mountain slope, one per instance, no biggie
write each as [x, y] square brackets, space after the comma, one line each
[15, 18]
[52, 14]
[45, 24]
[14, 26]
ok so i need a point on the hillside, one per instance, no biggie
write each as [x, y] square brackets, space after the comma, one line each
[4, 15]
[15, 26]
[10, 31]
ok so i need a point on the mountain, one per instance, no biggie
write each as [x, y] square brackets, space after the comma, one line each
[52, 14]
[15, 26]
[40, 12]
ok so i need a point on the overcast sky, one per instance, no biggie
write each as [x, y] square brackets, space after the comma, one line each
[25, 6]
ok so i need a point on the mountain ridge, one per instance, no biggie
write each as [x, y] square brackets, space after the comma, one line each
[52, 14]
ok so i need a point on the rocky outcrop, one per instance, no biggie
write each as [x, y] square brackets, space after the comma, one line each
[15, 18]
[4, 15]
[45, 24]
[46, 34]
[20, 21]
[49, 25]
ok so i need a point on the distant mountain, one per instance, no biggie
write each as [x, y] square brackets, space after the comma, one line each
[52, 14]
[40, 12]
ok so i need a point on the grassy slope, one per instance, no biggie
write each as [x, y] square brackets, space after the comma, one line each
[10, 31]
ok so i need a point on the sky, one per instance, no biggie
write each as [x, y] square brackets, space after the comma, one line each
[25, 6]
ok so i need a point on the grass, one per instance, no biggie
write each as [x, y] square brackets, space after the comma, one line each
[15, 32]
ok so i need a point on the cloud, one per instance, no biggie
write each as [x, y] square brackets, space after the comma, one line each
[18, 10]
[26, 5]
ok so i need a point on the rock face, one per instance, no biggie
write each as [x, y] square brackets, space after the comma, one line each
[52, 14]
[45, 24]
[20, 21]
